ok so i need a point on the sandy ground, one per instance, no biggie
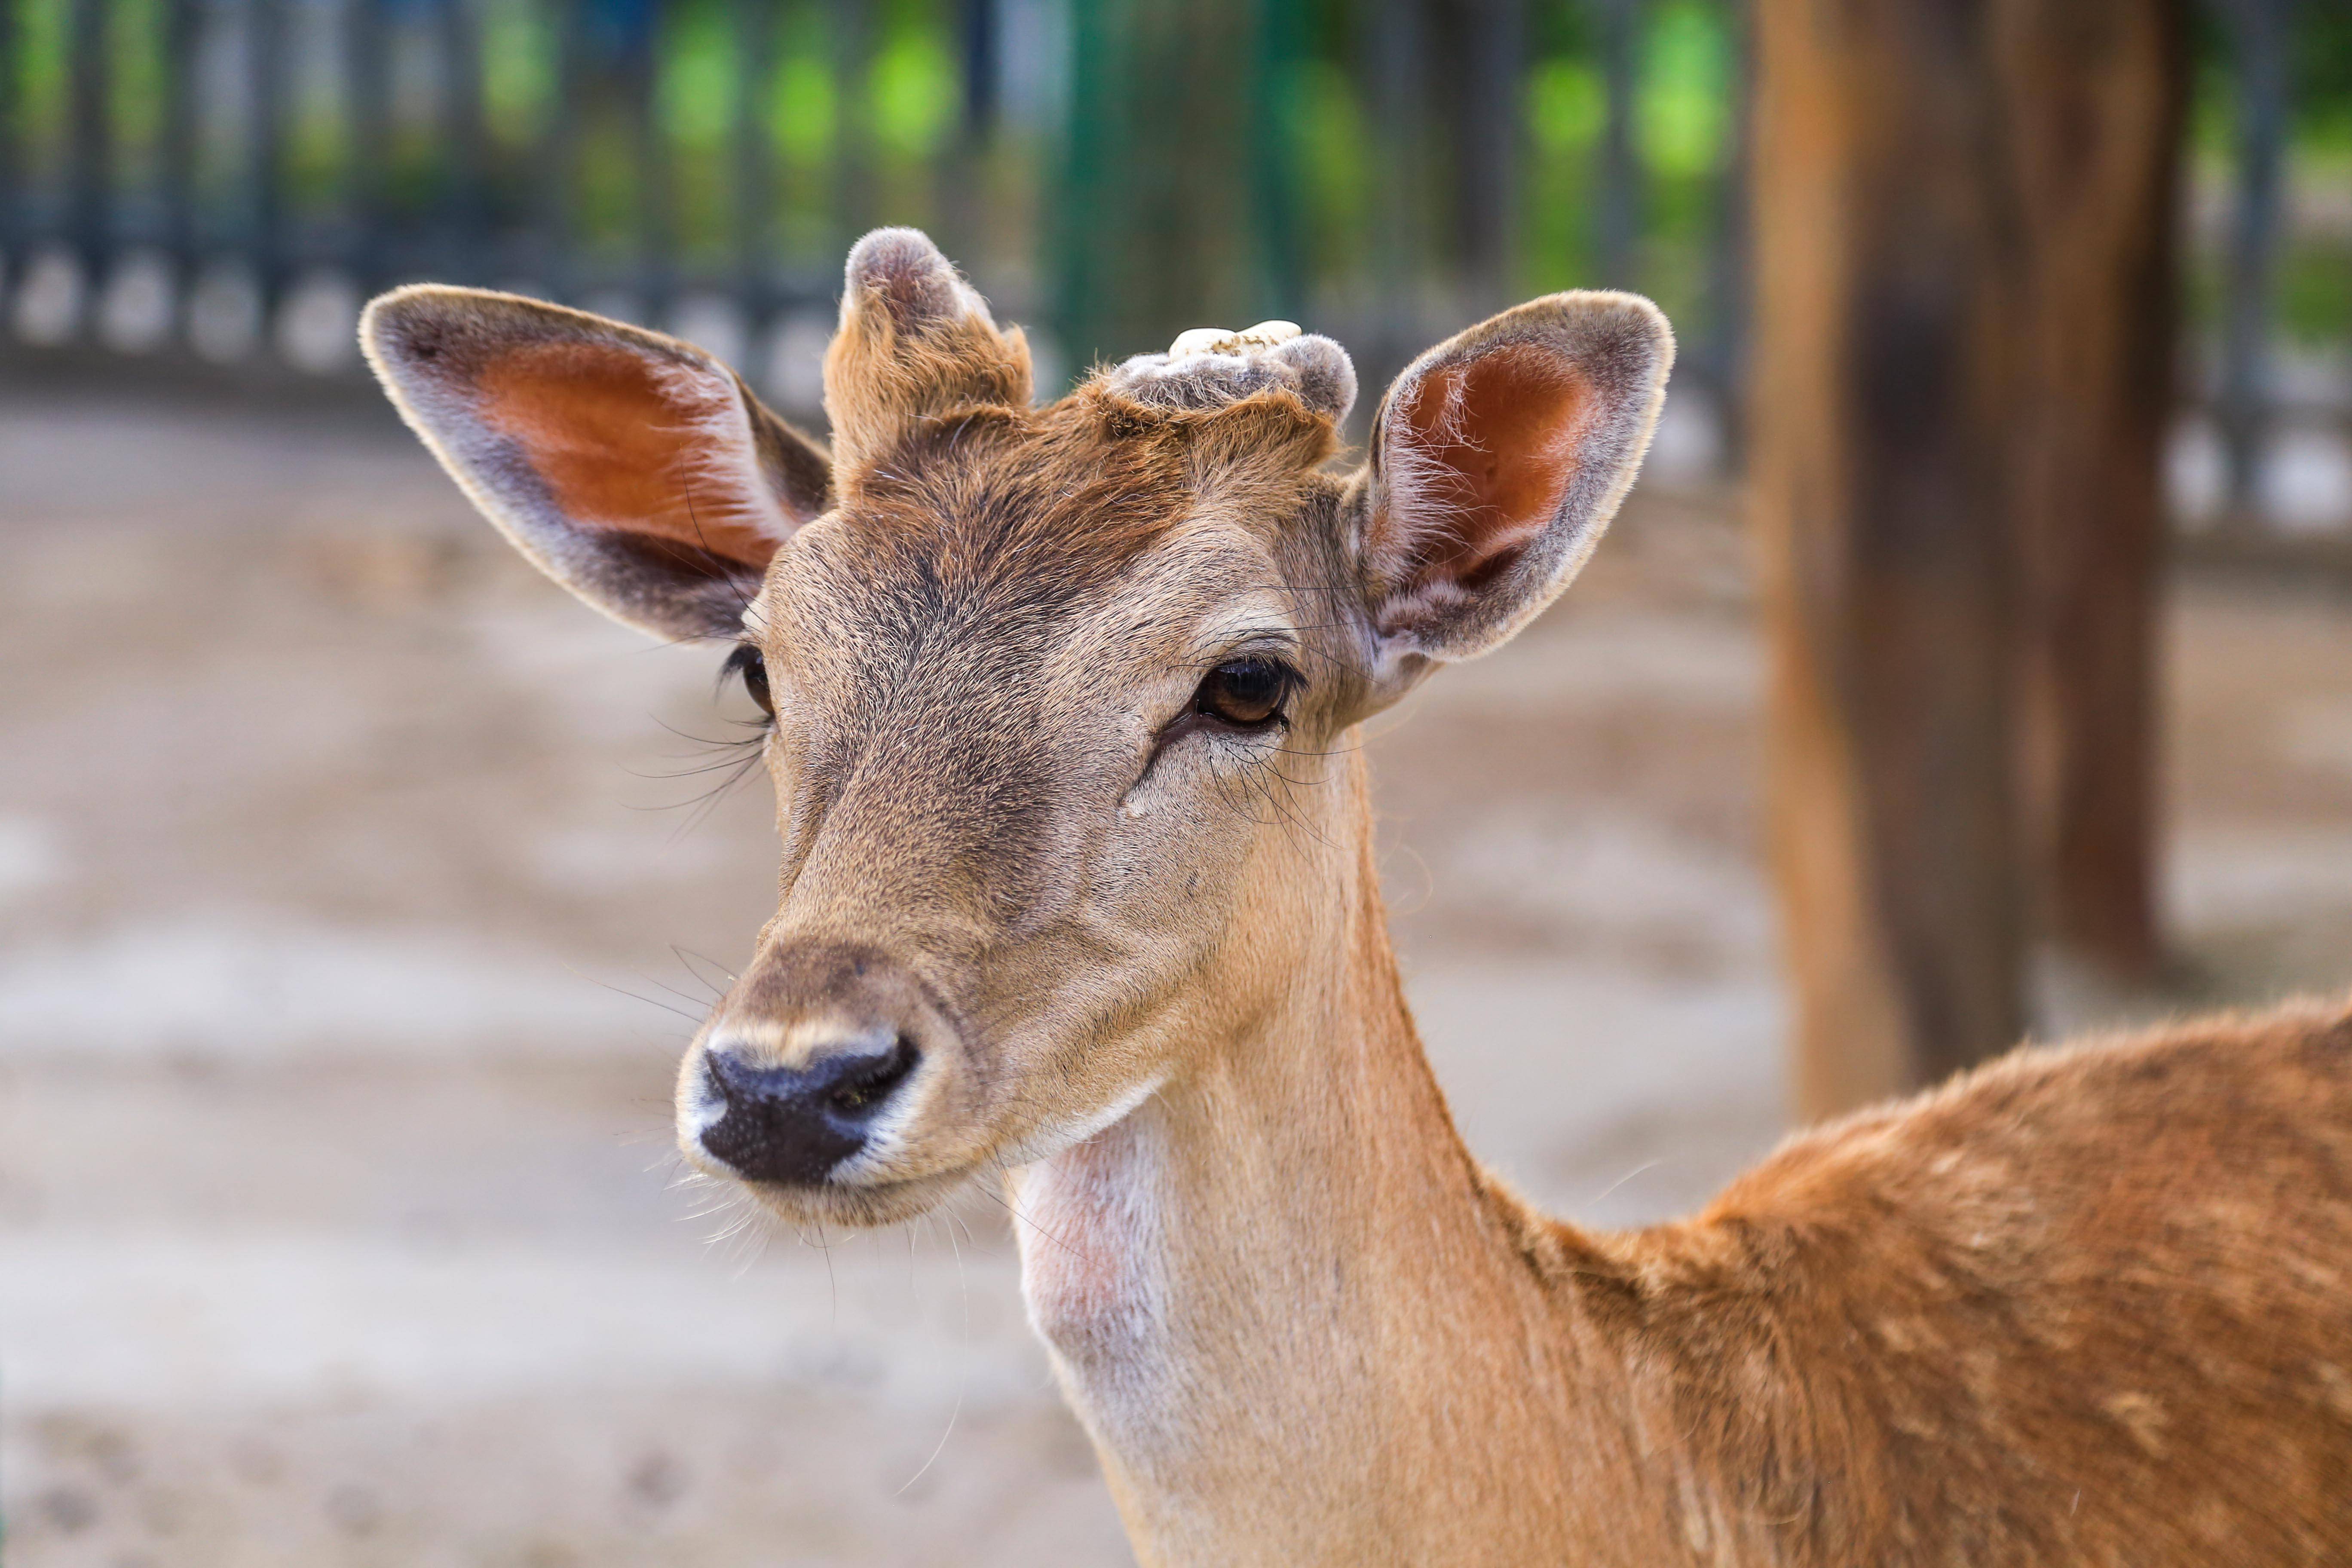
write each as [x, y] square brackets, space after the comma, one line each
[352, 915]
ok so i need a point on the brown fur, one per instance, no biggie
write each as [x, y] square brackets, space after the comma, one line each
[2083, 1307]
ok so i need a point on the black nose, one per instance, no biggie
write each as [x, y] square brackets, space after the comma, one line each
[795, 1124]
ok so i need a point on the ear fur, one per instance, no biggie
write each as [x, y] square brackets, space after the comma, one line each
[1498, 460]
[631, 468]
[915, 339]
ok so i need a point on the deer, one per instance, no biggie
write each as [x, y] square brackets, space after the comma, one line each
[1078, 893]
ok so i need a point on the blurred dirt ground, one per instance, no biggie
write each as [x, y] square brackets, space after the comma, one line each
[352, 916]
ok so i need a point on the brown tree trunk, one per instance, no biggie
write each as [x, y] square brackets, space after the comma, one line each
[1912, 333]
[2095, 94]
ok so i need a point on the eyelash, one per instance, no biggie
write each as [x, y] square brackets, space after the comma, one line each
[747, 665]
[1199, 717]
[1286, 679]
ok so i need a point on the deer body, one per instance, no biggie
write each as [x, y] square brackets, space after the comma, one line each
[2089, 1305]
[1077, 887]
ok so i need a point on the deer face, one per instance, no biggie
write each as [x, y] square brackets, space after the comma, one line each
[1054, 693]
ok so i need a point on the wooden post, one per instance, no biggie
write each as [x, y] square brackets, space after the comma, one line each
[1929, 226]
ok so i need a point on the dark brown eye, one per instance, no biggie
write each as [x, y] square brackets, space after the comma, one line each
[1247, 693]
[747, 665]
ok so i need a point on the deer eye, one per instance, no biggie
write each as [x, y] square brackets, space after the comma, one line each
[1247, 693]
[747, 665]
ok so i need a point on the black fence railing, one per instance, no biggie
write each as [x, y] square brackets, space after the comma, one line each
[230, 178]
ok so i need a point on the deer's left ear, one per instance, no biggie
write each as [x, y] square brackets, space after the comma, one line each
[1498, 458]
[633, 468]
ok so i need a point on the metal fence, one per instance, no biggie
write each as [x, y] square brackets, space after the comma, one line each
[228, 179]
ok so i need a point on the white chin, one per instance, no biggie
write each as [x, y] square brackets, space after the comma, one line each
[1046, 1142]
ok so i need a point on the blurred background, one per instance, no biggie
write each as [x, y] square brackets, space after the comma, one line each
[1973, 659]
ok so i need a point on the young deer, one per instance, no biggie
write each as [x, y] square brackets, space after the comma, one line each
[1079, 886]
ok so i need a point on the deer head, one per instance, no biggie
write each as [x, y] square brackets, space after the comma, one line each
[1060, 695]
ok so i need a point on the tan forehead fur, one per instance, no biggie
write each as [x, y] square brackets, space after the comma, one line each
[1006, 508]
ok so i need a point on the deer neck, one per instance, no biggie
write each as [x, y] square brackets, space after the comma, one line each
[1281, 1295]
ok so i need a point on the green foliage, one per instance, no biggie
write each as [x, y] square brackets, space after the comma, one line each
[1685, 89]
[697, 94]
[2313, 303]
[1332, 146]
[1683, 127]
[915, 92]
[2315, 292]
[1680, 130]
[694, 102]
[800, 110]
[2322, 68]
[134, 38]
[605, 200]
[38, 94]
[517, 71]
[1566, 107]
[317, 151]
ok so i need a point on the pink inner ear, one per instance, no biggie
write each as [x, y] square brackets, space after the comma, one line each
[625, 444]
[1478, 460]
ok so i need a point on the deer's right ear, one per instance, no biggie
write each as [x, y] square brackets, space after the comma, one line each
[1498, 460]
[633, 468]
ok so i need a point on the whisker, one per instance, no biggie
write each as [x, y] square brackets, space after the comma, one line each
[963, 1372]
[625, 991]
[684, 953]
